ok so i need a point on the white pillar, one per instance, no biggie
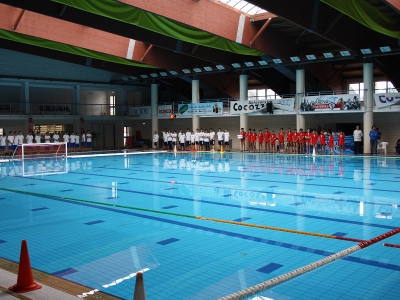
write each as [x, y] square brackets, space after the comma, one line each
[368, 103]
[243, 90]
[300, 90]
[154, 110]
[195, 99]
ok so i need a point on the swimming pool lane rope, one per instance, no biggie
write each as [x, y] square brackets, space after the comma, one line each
[258, 288]
[186, 216]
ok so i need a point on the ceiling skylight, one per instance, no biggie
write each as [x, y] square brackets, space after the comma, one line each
[244, 6]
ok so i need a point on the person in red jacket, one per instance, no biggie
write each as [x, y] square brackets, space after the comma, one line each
[301, 141]
[314, 141]
[307, 140]
[260, 139]
[249, 134]
[267, 141]
[281, 140]
[322, 142]
[331, 142]
[243, 140]
[341, 137]
[254, 140]
[295, 141]
[273, 139]
[289, 141]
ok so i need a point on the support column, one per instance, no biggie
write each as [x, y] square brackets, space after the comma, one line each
[300, 90]
[154, 110]
[195, 99]
[76, 96]
[368, 104]
[25, 97]
[243, 90]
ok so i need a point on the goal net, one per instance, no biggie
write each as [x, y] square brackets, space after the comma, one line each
[42, 150]
[43, 158]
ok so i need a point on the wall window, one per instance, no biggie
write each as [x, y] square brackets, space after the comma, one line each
[384, 87]
[380, 87]
[357, 88]
[112, 105]
[127, 136]
[262, 94]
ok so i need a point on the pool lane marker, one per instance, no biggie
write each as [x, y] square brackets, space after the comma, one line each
[258, 288]
[188, 216]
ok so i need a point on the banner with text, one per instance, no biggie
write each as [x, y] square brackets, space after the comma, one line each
[260, 106]
[330, 103]
[200, 109]
[385, 100]
[164, 110]
[140, 112]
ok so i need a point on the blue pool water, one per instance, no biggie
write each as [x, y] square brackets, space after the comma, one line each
[99, 220]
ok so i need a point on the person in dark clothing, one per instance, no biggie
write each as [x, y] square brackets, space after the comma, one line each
[397, 147]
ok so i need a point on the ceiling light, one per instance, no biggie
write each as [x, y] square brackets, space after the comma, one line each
[124, 78]
[163, 73]
[236, 65]
[208, 69]
[277, 60]
[311, 57]
[249, 64]
[328, 55]
[385, 49]
[262, 62]
[173, 73]
[295, 58]
[366, 51]
[144, 76]
[186, 71]
[345, 53]
[133, 77]
[154, 75]
[197, 70]
[220, 67]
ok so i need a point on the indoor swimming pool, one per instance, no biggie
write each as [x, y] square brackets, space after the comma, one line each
[206, 225]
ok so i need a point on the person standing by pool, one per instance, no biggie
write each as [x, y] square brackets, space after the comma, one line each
[273, 139]
[341, 137]
[281, 140]
[373, 137]
[331, 142]
[322, 142]
[289, 141]
[357, 134]
[226, 140]
[220, 137]
[88, 140]
[260, 138]
[155, 139]
[314, 142]
[267, 141]
[242, 140]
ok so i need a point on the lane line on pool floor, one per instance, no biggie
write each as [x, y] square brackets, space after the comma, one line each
[190, 216]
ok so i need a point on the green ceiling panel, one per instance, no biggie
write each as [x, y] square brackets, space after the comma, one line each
[366, 14]
[39, 42]
[128, 14]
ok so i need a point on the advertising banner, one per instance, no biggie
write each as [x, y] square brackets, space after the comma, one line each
[330, 103]
[140, 112]
[164, 110]
[385, 100]
[201, 109]
[260, 106]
